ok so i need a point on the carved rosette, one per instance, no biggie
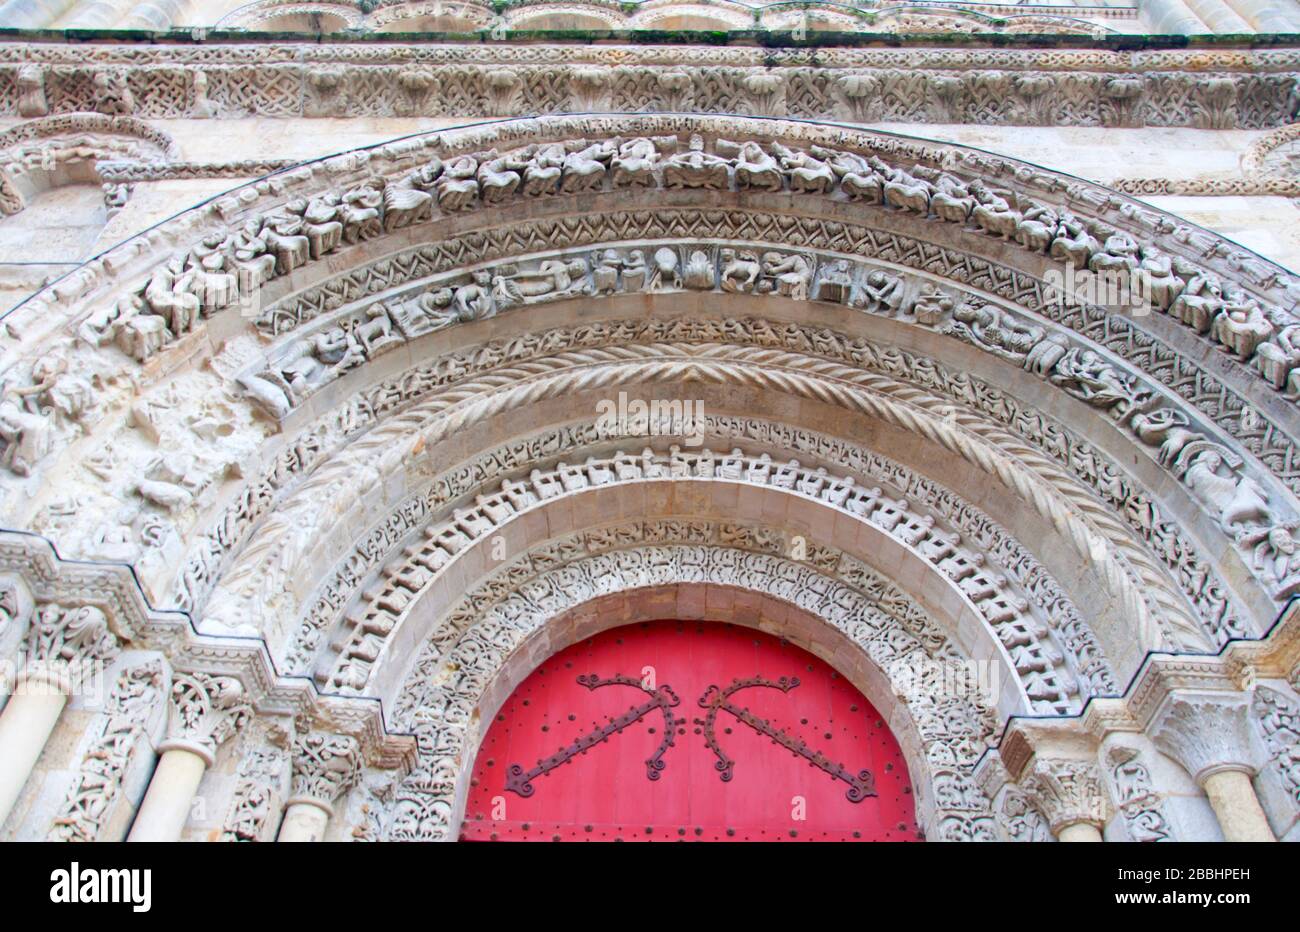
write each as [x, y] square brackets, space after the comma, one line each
[1067, 792]
[325, 767]
[68, 642]
[1207, 733]
[205, 712]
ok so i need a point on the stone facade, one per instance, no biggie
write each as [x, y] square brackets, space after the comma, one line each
[346, 377]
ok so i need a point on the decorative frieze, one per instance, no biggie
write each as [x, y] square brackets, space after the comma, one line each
[1219, 88]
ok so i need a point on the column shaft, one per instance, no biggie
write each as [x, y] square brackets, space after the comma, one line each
[1232, 796]
[304, 820]
[25, 726]
[166, 805]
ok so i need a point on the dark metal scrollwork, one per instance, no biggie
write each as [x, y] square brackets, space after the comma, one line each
[715, 699]
[520, 781]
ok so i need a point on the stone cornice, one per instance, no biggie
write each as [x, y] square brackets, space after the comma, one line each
[112, 588]
[1157, 686]
[1235, 667]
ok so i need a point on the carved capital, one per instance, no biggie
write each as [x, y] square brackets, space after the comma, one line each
[205, 712]
[1067, 792]
[325, 767]
[66, 639]
[1207, 733]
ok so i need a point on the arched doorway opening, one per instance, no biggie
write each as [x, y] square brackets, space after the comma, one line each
[688, 730]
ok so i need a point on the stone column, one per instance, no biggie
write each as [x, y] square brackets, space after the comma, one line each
[205, 712]
[25, 726]
[1209, 734]
[324, 768]
[1070, 793]
[66, 646]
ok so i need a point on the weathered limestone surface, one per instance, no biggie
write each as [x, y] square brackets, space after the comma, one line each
[371, 373]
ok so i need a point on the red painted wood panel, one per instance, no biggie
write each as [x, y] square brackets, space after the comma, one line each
[603, 792]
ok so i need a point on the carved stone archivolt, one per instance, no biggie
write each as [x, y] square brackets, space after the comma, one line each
[503, 401]
[960, 540]
[305, 413]
[450, 679]
[168, 307]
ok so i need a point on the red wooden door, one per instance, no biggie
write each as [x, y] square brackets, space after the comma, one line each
[582, 750]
